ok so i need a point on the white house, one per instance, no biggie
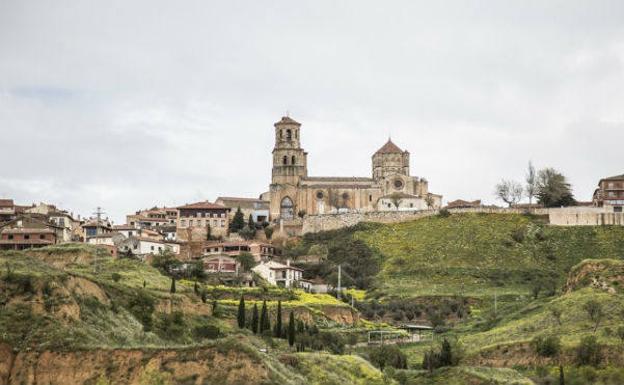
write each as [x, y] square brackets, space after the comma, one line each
[279, 274]
[144, 246]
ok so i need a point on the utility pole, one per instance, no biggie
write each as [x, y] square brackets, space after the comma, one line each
[98, 214]
[339, 278]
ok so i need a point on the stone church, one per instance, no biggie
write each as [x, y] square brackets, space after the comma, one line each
[292, 191]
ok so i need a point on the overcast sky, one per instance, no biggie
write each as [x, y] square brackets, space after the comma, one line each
[130, 104]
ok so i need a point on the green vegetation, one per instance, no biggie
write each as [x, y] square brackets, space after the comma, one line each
[473, 255]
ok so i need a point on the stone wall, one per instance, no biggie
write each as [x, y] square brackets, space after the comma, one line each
[569, 216]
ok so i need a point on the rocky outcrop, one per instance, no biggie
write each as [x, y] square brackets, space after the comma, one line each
[134, 367]
[603, 274]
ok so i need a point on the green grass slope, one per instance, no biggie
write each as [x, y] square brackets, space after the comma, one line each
[479, 254]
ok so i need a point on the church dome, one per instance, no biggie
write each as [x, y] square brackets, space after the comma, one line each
[287, 120]
[389, 148]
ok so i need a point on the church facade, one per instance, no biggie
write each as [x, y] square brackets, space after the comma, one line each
[292, 192]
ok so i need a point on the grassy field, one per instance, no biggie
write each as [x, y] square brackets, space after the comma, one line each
[482, 254]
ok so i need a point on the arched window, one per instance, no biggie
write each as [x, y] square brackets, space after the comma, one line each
[293, 160]
[281, 131]
[287, 208]
[285, 160]
[288, 134]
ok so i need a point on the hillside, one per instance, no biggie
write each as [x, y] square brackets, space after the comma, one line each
[474, 255]
[69, 315]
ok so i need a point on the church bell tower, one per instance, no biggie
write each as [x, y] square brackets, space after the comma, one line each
[290, 161]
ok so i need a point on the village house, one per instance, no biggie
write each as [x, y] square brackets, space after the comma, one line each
[260, 251]
[610, 193]
[257, 208]
[28, 231]
[93, 227]
[196, 219]
[141, 246]
[462, 204]
[154, 217]
[278, 274]
[7, 210]
[221, 264]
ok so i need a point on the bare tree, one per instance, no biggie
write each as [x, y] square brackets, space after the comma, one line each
[531, 183]
[509, 191]
[429, 201]
[396, 200]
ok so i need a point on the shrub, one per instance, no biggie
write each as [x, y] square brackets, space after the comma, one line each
[447, 354]
[518, 235]
[546, 346]
[444, 213]
[142, 307]
[388, 356]
[116, 277]
[589, 352]
[207, 332]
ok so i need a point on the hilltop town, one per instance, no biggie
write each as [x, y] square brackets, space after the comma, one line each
[320, 280]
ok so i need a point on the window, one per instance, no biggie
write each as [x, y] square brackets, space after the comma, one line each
[41, 236]
[130, 233]
[293, 160]
[398, 184]
[183, 223]
[370, 198]
[27, 236]
[319, 195]
[280, 134]
[222, 222]
[285, 160]
[287, 208]
[10, 236]
[152, 248]
[289, 134]
[389, 205]
[135, 246]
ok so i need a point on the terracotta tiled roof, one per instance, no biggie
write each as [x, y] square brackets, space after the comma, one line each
[287, 120]
[28, 231]
[242, 199]
[202, 205]
[6, 203]
[389, 148]
[617, 177]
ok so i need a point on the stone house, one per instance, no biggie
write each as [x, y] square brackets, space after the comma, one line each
[610, 193]
[257, 208]
[278, 274]
[194, 219]
[28, 231]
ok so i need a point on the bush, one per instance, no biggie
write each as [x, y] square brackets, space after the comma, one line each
[447, 354]
[518, 235]
[589, 352]
[546, 346]
[207, 332]
[171, 326]
[444, 213]
[388, 356]
[142, 307]
[116, 277]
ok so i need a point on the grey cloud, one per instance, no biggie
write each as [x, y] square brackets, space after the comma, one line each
[129, 104]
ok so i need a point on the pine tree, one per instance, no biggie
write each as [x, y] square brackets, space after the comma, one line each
[291, 329]
[241, 313]
[277, 330]
[173, 288]
[238, 222]
[254, 319]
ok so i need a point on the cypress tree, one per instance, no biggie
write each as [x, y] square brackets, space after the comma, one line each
[238, 222]
[254, 319]
[251, 223]
[241, 313]
[265, 322]
[291, 329]
[203, 296]
[173, 288]
[196, 288]
[277, 330]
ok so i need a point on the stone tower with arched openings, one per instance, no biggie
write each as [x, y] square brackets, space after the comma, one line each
[290, 164]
